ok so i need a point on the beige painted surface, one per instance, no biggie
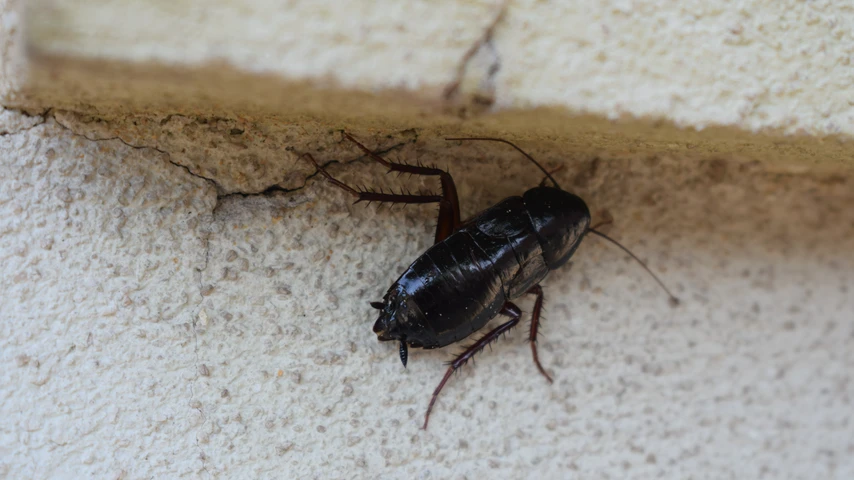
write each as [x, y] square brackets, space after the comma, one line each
[182, 297]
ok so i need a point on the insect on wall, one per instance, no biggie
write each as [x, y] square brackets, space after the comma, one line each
[476, 267]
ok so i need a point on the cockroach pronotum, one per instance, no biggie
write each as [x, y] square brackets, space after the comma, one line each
[476, 268]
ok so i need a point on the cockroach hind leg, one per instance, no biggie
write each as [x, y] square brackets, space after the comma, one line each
[535, 327]
[509, 309]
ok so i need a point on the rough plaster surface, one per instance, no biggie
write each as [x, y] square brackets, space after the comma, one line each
[267, 36]
[616, 74]
[756, 64]
[158, 324]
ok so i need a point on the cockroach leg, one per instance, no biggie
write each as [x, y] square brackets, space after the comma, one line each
[510, 310]
[550, 173]
[535, 324]
[374, 196]
[449, 204]
[329, 177]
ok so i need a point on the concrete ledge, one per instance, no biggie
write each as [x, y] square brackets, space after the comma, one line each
[769, 82]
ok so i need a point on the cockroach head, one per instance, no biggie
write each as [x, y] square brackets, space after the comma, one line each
[398, 321]
[395, 311]
[387, 327]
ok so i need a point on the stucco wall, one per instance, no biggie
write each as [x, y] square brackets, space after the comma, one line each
[181, 296]
[156, 326]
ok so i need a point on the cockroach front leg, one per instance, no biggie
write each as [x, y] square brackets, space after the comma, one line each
[373, 196]
[449, 205]
[510, 310]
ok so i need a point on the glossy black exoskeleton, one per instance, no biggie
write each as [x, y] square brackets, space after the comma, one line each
[476, 268]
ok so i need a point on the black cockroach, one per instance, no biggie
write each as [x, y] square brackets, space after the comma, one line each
[475, 268]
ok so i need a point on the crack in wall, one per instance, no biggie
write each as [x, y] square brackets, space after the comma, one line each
[270, 190]
[197, 406]
[137, 147]
[452, 89]
[278, 189]
[194, 404]
[199, 312]
[43, 115]
[199, 368]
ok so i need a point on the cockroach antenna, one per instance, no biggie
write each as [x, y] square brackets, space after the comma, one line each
[517, 149]
[673, 299]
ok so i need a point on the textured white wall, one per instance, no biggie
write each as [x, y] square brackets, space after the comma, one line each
[157, 324]
[179, 296]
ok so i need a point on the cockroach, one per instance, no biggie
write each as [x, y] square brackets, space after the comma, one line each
[476, 268]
